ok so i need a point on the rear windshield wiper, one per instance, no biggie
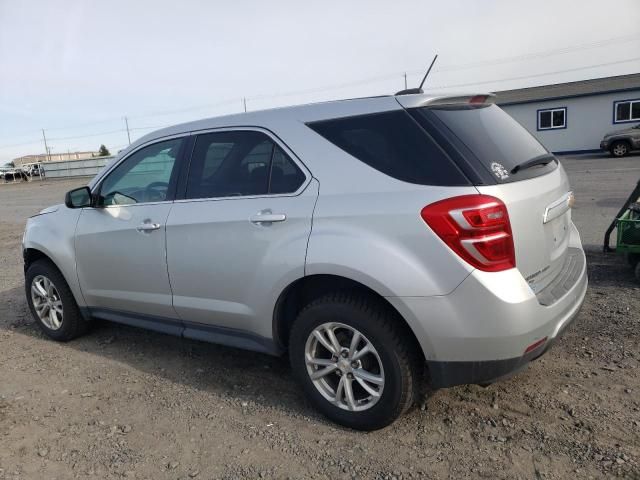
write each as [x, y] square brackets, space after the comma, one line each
[534, 162]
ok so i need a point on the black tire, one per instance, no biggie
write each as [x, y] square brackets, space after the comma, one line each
[619, 149]
[637, 271]
[632, 259]
[393, 341]
[73, 324]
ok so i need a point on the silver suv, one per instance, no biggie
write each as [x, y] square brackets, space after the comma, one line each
[379, 241]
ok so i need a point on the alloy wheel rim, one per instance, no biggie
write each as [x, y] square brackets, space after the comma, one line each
[344, 366]
[619, 150]
[47, 302]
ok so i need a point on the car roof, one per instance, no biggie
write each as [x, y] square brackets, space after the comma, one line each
[285, 118]
[302, 113]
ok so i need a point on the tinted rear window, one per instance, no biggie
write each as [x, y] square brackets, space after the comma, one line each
[491, 137]
[394, 144]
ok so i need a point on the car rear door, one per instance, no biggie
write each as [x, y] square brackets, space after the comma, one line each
[240, 233]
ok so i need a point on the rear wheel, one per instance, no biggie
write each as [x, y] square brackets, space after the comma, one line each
[632, 258]
[637, 271]
[619, 149]
[51, 302]
[355, 362]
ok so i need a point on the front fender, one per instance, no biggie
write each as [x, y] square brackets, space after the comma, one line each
[53, 235]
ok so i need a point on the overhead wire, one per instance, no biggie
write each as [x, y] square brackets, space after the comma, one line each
[360, 82]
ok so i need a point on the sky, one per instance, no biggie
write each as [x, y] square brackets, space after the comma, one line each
[77, 68]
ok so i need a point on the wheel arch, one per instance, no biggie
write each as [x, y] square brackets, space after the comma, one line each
[32, 254]
[306, 289]
[625, 140]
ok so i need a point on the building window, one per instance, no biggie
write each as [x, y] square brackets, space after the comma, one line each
[626, 111]
[552, 118]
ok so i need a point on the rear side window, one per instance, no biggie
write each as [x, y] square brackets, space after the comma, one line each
[490, 137]
[240, 163]
[394, 144]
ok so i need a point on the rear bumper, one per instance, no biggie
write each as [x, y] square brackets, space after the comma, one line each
[448, 374]
[482, 330]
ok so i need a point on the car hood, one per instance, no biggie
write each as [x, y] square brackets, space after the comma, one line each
[51, 209]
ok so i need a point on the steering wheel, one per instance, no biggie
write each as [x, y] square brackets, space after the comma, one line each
[153, 195]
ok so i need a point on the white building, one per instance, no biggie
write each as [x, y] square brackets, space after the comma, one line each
[573, 117]
[53, 157]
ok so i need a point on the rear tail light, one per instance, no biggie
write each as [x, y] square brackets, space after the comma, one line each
[477, 228]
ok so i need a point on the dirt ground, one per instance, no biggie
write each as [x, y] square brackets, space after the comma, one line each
[123, 402]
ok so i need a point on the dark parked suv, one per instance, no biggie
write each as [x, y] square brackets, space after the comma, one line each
[621, 142]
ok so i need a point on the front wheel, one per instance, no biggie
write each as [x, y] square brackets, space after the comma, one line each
[51, 302]
[619, 149]
[356, 363]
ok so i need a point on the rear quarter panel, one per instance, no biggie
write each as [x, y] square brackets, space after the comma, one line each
[380, 240]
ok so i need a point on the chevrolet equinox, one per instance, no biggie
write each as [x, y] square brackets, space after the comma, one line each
[379, 241]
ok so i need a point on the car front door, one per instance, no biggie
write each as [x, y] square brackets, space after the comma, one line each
[120, 243]
[239, 235]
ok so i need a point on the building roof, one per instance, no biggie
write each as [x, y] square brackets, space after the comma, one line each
[571, 89]
[34, 155]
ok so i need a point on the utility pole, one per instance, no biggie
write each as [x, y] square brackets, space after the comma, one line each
[405, 80]
[46, 149]
[244, 102]
[126, 122]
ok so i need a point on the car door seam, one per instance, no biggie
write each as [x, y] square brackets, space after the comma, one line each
[166, 265]
[313, 214]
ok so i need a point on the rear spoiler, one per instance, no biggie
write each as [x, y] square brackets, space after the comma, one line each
[414, 101]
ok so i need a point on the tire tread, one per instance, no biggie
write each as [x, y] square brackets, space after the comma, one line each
[73, 324]
[395, 332]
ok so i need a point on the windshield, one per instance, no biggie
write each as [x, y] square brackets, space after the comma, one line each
[489, 136]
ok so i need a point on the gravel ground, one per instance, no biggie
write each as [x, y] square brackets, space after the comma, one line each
[123, 402]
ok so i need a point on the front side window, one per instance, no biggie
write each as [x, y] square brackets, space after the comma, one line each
[626, 111]
[240, 163]
[143, 177]
[552, 118]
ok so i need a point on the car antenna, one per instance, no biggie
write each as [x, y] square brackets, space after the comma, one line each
[410, 91]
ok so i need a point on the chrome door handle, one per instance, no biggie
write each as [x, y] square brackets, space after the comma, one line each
[260, 218]
[148, 227]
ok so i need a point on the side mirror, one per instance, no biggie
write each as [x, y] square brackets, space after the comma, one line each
[78, 198]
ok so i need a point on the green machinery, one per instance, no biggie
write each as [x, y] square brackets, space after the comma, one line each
[627, 225]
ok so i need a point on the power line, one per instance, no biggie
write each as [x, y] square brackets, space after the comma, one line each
[188, 109]
[326, 88]
[150, 127]
[354, 83]
[534, 75]
[542, 54]
[21, 144]
[301, 92]
[370, 80]
[88, 124]
[87, 136]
